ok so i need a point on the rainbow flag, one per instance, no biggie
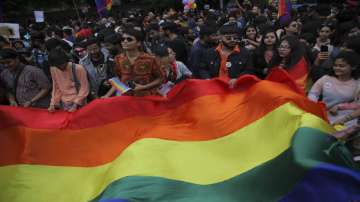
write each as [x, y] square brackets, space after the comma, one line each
[284, 10]
[299, 73]
[261, 141]
[103, 7]
[121, 88]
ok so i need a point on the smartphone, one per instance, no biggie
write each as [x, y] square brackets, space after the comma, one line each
[324, 49]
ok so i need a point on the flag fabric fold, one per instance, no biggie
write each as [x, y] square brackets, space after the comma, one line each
[103, 7]
[284, 11]
[261, 141]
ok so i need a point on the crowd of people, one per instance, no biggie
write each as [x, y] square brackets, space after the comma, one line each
[66, 65]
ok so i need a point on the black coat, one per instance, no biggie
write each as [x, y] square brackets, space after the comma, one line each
[240, 63]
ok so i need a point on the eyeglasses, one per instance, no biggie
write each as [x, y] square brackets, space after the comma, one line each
[128, 39]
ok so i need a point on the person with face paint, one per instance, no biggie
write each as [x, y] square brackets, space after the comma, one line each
[26, 85]
[70, 82]
[229, 59]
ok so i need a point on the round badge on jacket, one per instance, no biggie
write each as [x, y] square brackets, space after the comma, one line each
[228, 64]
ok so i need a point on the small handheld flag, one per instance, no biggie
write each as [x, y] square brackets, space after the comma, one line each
[121, 88]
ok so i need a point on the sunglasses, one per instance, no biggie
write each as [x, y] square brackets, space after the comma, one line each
[128, 39]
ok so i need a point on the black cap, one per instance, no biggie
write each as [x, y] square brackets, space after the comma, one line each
[207, 30]
[229, 29]
[90, 41]
[171, 26]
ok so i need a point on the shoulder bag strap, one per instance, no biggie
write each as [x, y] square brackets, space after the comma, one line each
[16, 81]
[74, 77]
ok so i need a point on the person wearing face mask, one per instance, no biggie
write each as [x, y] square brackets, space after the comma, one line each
[70, 82]
[26, 85]
[229, 59]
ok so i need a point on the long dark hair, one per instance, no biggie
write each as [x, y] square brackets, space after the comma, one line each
[58, 57]
[297, 52]
[331, 27]
[259, 53]
[250, 26]
[262, 48]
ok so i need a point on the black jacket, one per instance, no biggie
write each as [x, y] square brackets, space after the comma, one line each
[199, 60]
[240, 63]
